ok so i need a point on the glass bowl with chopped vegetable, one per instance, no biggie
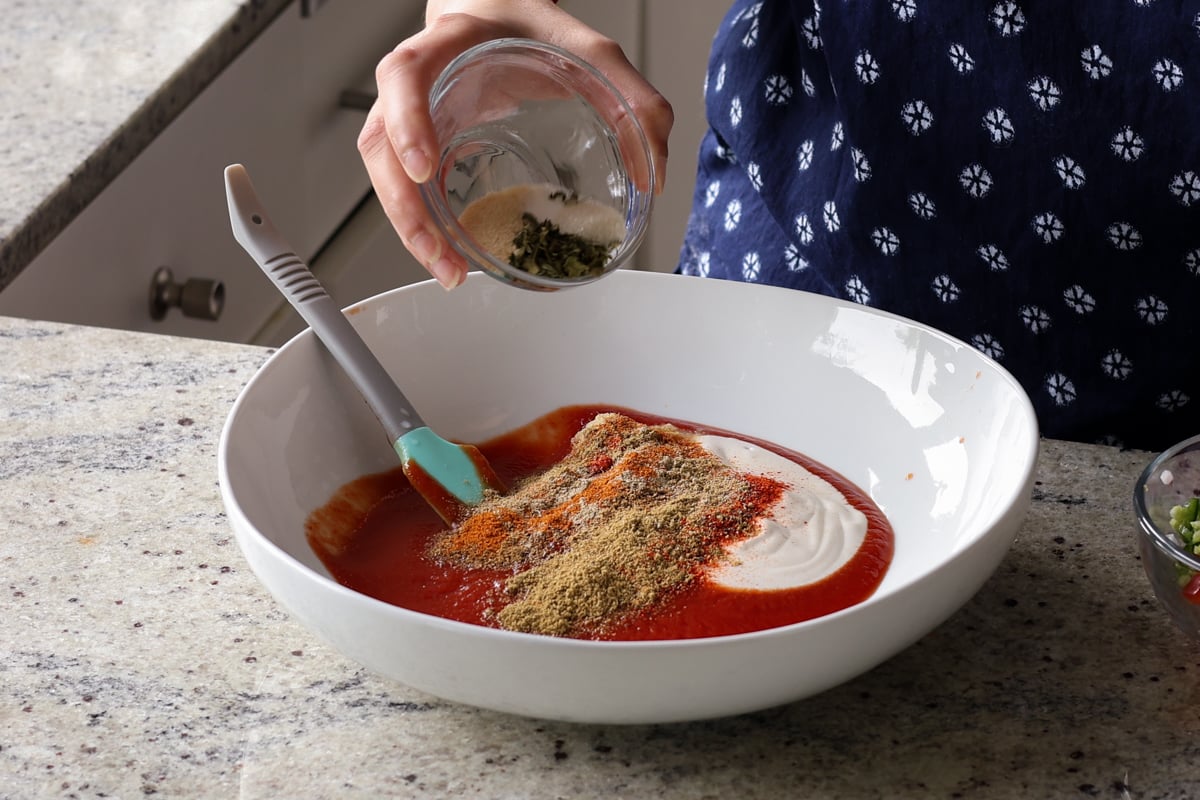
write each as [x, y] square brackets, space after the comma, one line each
[545, 178]
[1166, 501]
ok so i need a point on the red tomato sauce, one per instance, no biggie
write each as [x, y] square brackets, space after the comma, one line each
[373, 536]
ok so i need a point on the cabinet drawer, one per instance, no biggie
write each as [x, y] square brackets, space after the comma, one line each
[275, 109]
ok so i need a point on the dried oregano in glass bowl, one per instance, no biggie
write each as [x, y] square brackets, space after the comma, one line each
[545, 177]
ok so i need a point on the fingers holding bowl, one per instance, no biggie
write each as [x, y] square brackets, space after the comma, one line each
[465, 112]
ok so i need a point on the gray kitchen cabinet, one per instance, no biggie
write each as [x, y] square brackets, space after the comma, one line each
[278, 108]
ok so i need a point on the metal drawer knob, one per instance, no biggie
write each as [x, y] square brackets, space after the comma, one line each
[200, 298]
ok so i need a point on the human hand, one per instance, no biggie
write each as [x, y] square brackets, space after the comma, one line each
[398, 144]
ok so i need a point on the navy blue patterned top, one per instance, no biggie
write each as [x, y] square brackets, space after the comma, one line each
[1024, 175]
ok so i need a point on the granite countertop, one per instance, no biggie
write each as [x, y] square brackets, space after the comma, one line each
[140, 656]
[87, 84]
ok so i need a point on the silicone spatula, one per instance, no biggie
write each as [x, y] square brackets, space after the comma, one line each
[451, 477]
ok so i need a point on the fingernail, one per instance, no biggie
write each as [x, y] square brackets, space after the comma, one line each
[417, 165]
[447, 273]
[425, 247]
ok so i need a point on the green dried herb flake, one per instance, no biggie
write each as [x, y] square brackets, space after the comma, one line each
[541, 248]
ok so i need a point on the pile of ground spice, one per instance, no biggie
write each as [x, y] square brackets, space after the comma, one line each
[632, 514]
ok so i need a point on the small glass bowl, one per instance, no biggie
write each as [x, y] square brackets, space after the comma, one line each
[513, 112]
[1171, 479]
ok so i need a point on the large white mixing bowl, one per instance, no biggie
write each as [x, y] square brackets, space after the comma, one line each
[942, 438]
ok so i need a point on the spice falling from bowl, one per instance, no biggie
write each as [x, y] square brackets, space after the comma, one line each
[545, 230]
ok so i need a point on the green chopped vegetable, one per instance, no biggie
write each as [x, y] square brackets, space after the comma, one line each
[1185, 521]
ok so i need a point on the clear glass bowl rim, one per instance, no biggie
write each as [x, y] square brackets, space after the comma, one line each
[1166, 542]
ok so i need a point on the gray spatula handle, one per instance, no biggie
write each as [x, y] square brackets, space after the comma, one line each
[254, 231]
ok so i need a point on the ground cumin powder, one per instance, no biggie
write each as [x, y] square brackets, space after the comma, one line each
[632, 514]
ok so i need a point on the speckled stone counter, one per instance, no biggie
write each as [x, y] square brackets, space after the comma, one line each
[87, 84]
[140, 656]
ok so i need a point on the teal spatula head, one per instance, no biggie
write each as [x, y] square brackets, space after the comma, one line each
[457, 474]
[451, 477]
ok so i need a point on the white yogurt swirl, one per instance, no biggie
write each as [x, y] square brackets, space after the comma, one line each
[811, 532]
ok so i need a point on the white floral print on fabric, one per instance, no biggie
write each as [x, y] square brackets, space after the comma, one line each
[1048, 227]
[1069, 171]
[904, 10]
[961, 58]
[976, 181]
[945, 289]
[733, 215]
[994, 257]
[917, 117]
[1078, 300]
[862, 167]
[887, 242]
[1096, 64]
[804, 155]
[1191, 262]
[712, 193]
[778, 90]
[754, 173]
[1168, 74]
[988, 345]
[793, 259]
[922, 206]
[1127, 145]
[866, 67]
[1008, 18]
[1116, 365]
[998, 125]
[830, 216]
[1044, 93]
[1186, 187]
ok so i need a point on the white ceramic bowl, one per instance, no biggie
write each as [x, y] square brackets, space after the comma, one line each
[942, 438]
